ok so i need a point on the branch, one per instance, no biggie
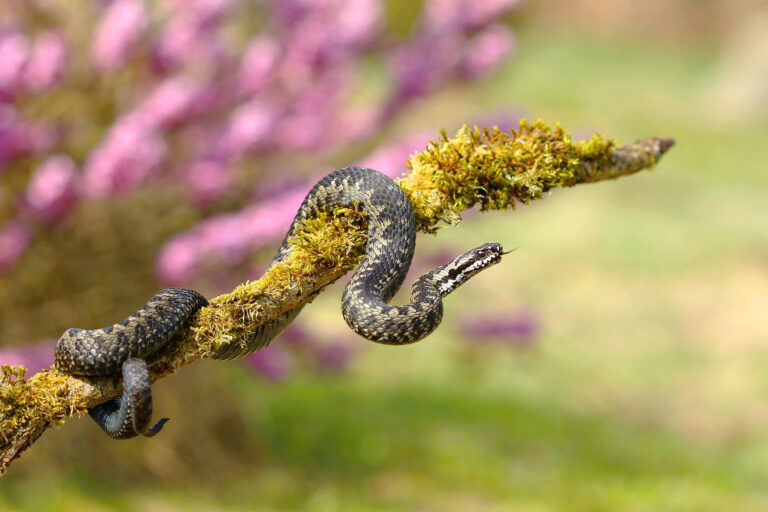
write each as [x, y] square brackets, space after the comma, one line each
[496, 170]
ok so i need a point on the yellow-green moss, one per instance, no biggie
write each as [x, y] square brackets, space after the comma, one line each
[493, 168]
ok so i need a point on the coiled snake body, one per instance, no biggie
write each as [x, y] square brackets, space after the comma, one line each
[391, 242]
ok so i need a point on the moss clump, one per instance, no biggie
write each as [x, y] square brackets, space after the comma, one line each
[22, 405]
[327, 245]
[494, 169]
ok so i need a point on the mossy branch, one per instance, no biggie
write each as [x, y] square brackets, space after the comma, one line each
[495, 169]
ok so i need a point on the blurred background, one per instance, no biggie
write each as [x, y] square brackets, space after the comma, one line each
[616, 361]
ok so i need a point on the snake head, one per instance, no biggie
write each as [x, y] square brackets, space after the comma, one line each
[454, 274]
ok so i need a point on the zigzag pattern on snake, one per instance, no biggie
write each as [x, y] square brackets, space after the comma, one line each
[388, 255]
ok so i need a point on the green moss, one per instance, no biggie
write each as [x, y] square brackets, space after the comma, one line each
[494, 169]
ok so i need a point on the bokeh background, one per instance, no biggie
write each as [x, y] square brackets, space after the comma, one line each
[616, 361]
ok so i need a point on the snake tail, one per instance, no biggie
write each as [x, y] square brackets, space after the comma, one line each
[130, 414]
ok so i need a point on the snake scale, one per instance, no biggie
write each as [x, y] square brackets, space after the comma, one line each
[391, 241]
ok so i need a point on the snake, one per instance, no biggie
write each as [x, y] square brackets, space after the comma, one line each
[128, 345]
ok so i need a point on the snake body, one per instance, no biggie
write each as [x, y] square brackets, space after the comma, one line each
[124, 346]
[388, 255]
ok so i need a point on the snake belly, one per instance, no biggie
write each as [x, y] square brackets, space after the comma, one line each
[388, 255]
[124, 347]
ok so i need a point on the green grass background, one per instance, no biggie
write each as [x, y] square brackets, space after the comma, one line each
[645, 390]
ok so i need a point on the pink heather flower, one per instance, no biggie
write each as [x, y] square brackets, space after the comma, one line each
[333, 357]
[208, 180]
[20, 138]
[249, 128]
[330, 32]
[486, 51]
[52, 191]
[519, 328]
[390, 159]
[14, 51]
[271, 362]
[257, 64]
[465, 15]
[228, 239]
[179, 260]
[47, 63]
[14, 240]
[423, 65]
[118, 33]
[169, 103]
[34, 358]
[186, 40]
[131, 154]
[357, 22]
[208, 11]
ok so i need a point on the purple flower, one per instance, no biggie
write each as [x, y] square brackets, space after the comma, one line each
[52, 191]
[486, 51]
[271, 362]
[14, 51]
[19, 137]
[228, 239]
[179, 260]
[465, 15]
[34, 357]
[14, 240]
[207, 11]
[518, 328]
[188, 39]
[258, 64]
[390, 158]
[170, 103]
[208, 179]
[131, 154]
[249, 128]
[118, 33]
[47, 63]
[333, 357]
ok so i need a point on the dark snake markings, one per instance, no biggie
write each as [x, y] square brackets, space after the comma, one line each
[388, 255]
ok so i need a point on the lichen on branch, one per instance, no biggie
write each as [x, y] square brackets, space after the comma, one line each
[485, 166]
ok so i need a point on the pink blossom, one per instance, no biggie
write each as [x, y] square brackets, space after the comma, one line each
[52, 191]
[14, 51]
[423, 65]
[390, 158]
[249, 127]
[118, 33]
[257, 64]
[209, 11]
[170, 102]
[486, 51]
[271, 362]
[514, 328]
[187, 40]
[131, 154]
[19, 137]
[208, 179]
[33, 357]
[333, 357]
[230, 238]
[466, 15]
[47, 64]
[179, 260]
[15, 238]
